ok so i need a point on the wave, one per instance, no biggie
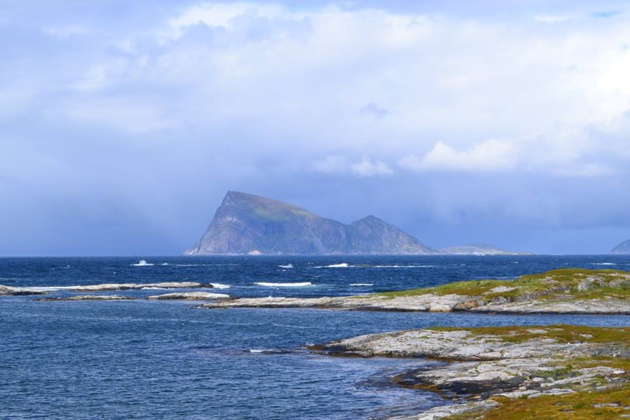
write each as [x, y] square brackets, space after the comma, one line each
[402, 266]
[286, 266]
[142, 263]
[269, 351]
[301, 284]
[219, 286]
[604, 263]
[346, 265]
[361, 284]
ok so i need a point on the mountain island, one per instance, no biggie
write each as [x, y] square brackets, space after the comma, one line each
[622, 248]
[246, 224]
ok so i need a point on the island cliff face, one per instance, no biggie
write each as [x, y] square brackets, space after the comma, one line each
[622, 248]
[248, 224]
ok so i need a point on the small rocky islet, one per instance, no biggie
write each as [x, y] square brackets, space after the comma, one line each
[96, 289]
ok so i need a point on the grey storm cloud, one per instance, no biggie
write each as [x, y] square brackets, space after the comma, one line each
[124, 123]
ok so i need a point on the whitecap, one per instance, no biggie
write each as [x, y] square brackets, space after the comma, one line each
[286, 266]
[301, 284]
[142, 263]
[604, 263]
[219, 286]
[342, 265]
[153, 288]
[403, 266]
[362, 284]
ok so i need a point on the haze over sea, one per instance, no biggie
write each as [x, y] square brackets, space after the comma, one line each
[158, 359]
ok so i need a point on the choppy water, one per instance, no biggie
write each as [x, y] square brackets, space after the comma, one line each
[147, 359]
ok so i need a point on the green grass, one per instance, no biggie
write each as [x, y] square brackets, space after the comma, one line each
[561, 283]
[560, 333]
[609, 404]
[596, 399]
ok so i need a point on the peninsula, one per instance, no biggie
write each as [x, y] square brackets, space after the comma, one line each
[557, 291]
[558, 371]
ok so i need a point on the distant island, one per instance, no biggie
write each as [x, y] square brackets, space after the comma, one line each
[246, 224]
[622, 248]
[479, 249]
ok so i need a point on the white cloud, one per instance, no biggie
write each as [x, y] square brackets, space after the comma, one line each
[222, 15]
[554, 18]
[368, 167]
[342, 165]
[334, 164]
[488, 156]
[255, 94]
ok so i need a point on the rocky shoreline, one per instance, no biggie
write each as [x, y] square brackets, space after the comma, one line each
[429, 303]
[492, 368]
[555, 292]
[109, 287]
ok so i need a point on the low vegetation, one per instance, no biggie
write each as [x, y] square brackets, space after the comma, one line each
[568, 283]
[559, 333]
[599, 397]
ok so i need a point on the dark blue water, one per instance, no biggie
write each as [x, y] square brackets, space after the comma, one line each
[147, 359]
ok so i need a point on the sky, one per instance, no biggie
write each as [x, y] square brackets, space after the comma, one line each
[124, 123]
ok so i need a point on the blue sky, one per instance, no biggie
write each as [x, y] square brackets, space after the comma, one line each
[124, 123]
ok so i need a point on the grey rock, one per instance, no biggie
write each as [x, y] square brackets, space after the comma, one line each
[139, 286]
[18, 291]
[189, 296]
[85, 297]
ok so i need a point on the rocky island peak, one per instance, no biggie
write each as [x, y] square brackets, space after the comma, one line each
[247, 224]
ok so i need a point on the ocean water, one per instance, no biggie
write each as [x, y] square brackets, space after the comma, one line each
[165, 359]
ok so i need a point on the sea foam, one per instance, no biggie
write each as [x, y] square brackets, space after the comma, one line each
[301, 284]
[142, 263]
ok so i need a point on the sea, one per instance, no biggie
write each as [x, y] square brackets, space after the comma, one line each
[141, 359]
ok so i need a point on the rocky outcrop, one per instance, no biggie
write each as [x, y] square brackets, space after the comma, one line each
[432, 303]
[248, 224]
[489, 367]
[139, 286]
[18, 291]
[85, 297]
[622, 248]
[105, 287]
[189, 296]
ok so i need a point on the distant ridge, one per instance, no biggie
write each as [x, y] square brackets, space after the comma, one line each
[622, 248]
[246, 224]
[479, 249]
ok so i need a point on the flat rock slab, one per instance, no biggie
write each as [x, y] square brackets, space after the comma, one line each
[189, 296]
[85, 297]
[431, 303]
[139, 286]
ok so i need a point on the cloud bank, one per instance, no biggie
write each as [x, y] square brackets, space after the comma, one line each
[124, 124]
